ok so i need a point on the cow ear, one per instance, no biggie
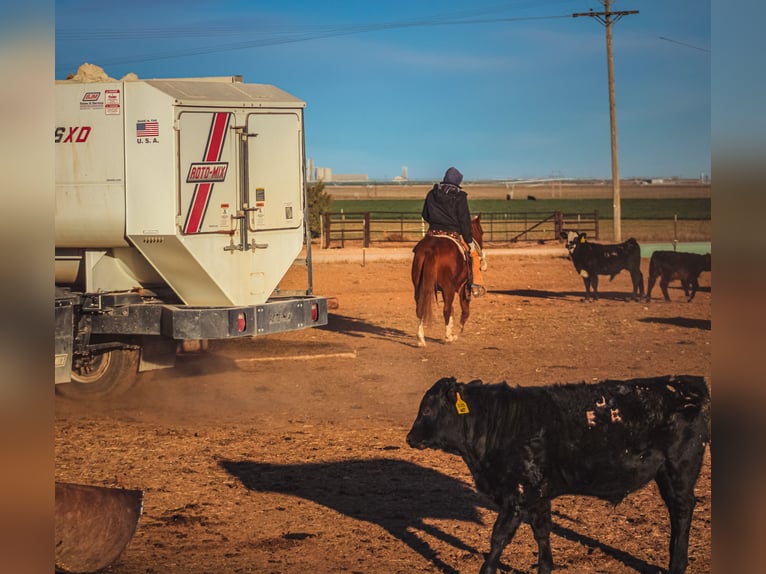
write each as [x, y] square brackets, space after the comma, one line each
[446, 387]
[451, 393]
[455, 396]
[450, 388]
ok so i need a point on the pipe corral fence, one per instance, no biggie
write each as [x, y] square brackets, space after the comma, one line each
[370, 227]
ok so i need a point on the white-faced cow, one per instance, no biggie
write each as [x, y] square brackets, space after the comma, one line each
[594, 259]
[670, 265]
[526, 446]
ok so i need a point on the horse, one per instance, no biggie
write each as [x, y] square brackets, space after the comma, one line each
[439, 263]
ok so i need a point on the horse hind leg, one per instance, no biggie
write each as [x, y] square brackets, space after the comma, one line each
[421, 334]
[449, 322]
[465, 308]
[449, 333]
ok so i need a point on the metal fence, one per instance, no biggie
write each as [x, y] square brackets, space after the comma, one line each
[370, 227]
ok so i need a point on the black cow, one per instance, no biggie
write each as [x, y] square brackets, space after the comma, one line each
[594, 259]
[670, 265]
[526, 446]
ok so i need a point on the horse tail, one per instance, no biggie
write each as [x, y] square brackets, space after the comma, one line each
[424, 280]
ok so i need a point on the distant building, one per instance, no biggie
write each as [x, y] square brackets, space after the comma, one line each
[349, 177]
[323, 174]
[326, 175]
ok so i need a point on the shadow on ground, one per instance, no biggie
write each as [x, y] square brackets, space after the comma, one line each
[685, 322]
[386, 492]
[563, 295]
[357, 328]
[399, 496]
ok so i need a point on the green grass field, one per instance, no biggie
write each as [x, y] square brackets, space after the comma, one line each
[644, 209]
[647, 219]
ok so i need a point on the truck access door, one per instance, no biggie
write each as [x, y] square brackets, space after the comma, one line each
[274, 190]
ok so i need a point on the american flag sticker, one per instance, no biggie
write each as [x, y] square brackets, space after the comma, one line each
[147, 129]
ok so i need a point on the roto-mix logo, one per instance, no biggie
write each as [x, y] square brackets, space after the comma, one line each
[207, 172]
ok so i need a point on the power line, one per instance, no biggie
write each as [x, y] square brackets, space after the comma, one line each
[287, 38]
[684, 44]
[206, 30]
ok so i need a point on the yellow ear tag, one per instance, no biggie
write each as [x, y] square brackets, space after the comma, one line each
[582, 239]
[461, 406]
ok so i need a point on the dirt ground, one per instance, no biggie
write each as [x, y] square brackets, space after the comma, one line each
[287, 453]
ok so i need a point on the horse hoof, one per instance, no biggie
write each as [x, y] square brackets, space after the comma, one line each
[421, 343]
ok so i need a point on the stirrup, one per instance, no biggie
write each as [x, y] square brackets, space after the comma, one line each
[478, 290]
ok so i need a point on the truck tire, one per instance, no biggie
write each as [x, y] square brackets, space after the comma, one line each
[110, 374]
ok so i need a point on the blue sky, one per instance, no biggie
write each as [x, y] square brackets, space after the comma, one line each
[521, 94]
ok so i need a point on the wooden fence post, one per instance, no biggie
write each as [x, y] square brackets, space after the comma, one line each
[327, 220]
[366, 230]
[595, 221]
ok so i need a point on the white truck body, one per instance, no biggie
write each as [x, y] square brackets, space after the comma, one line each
[190, 186]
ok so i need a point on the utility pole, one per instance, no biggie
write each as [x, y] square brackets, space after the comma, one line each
[607, 18]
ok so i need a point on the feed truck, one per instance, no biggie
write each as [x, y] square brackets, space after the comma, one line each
[180, 207]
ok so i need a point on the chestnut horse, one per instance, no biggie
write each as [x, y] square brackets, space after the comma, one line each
[440, 264]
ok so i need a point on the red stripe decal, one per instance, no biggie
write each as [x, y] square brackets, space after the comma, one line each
[203, 191]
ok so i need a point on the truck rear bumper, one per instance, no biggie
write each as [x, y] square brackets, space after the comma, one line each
[110, 315]
[121, 321]
[182, 322]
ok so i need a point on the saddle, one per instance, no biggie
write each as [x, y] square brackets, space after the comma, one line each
[455, 236]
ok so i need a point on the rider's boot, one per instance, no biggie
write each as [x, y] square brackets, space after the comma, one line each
[476, 279]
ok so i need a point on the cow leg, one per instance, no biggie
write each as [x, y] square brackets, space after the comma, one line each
[676, 485]
[685, 285]
[594, 286]
[695, 285]
[541, 527]
[638, 284]
[505, 527]
[664, 286]
[587, 281]
[650, 285]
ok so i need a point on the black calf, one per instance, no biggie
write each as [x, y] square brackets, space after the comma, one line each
[526, 446]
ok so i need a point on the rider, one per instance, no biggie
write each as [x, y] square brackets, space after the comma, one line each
[446, 211]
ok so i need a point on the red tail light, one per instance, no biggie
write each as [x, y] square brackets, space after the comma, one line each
[241, 323]
[314, 312]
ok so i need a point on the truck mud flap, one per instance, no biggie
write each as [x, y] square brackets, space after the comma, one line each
[93, 525]
[64, 341]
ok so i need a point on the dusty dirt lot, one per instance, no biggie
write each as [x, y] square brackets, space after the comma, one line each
[286, 453]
